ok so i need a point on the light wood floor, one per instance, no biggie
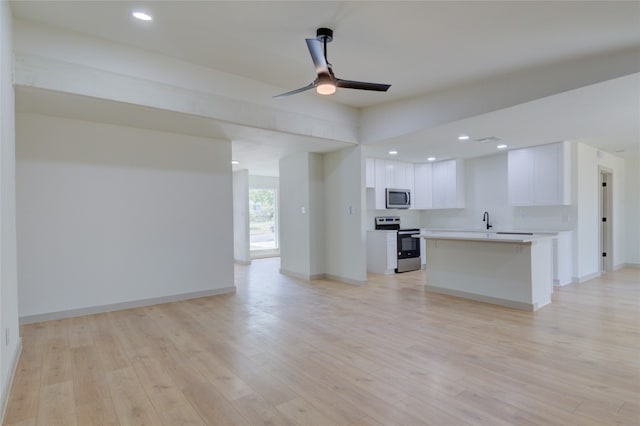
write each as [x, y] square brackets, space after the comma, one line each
[283, 351]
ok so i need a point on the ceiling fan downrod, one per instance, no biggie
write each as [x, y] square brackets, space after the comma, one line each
[325, 35]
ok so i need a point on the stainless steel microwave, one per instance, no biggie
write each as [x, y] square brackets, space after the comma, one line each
[398, 198]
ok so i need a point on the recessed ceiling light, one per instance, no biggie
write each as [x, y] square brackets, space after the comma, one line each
[463, 137]
[234, 162]
[142, 16]
[393, 152]
[431, 159]
[501, 146]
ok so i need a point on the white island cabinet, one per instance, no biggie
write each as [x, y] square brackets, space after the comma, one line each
[508, 270]
[382, 247]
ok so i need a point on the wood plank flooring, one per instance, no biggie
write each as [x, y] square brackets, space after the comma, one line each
[284, 352]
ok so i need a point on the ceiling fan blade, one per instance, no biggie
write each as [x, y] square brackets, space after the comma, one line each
[293, 92]
[317, 55]
[361, 85]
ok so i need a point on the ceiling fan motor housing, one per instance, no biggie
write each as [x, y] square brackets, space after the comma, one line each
[324, 34]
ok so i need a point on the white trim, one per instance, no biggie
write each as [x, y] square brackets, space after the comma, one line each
[584, 278]
[13, 368]
[242, 262]
[344, 280]
[322, 277]
[29, 319]
[296, 275]
[626, 265]
[531, 307]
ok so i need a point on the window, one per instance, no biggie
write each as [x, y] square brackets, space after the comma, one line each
[263, 221]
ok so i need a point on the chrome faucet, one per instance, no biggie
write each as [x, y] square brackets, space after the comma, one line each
[485, 218]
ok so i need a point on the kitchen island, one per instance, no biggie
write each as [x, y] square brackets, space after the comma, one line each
[510, 269]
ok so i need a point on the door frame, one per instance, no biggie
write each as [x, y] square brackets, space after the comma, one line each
[605, 209]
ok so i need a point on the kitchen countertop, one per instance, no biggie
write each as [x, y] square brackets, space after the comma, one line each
[490, 236]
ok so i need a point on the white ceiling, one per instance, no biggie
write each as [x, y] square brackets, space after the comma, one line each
[418, 47]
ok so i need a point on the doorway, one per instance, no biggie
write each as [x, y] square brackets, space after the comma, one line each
[263, 223]
[606, 219]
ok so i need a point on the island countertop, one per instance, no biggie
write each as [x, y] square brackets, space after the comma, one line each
[507, 237]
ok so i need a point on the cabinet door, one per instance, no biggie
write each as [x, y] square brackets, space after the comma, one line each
[370, 173]
[520, 172]
[380, 184]
[422, 184]
[392, 250]
[404, 175]
[444, 185]
[547, 175]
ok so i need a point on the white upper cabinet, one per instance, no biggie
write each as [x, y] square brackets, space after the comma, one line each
[439, 185]
[422, 184]
[370, 173]
[383, 174]
[448, 185]
[540, 175]
[399, 175]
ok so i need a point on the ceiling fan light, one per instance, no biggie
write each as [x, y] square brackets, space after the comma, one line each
[325, 86]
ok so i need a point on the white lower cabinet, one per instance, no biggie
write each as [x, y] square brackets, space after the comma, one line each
[382, 257]
[563, 258]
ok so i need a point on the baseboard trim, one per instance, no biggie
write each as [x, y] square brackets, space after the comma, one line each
[627, 265]
[242, 262]
[558, 283]
[30, 319]
[585, 278]
[321, 277]
[344, 280]
[13, 368]
[531, 307]
[296, 275]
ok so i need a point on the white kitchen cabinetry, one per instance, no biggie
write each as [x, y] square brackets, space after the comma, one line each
[540, 175]
[398, 175]
[382, 249]
[379, 201]
[370, 172]
[447, 190]
[563, 258]
[383, 174]
[422, 186]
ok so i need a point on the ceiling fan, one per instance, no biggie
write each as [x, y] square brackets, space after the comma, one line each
[326, 82]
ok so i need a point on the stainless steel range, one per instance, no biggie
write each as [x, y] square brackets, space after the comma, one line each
[408, 246]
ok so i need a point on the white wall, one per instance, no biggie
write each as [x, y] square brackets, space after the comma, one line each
[241, 252]
[317, 235]
[8, 263]
[295, 226]
[116, 215]
[587, 252]
[344, 233]
[632, 209]
[264, 182]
